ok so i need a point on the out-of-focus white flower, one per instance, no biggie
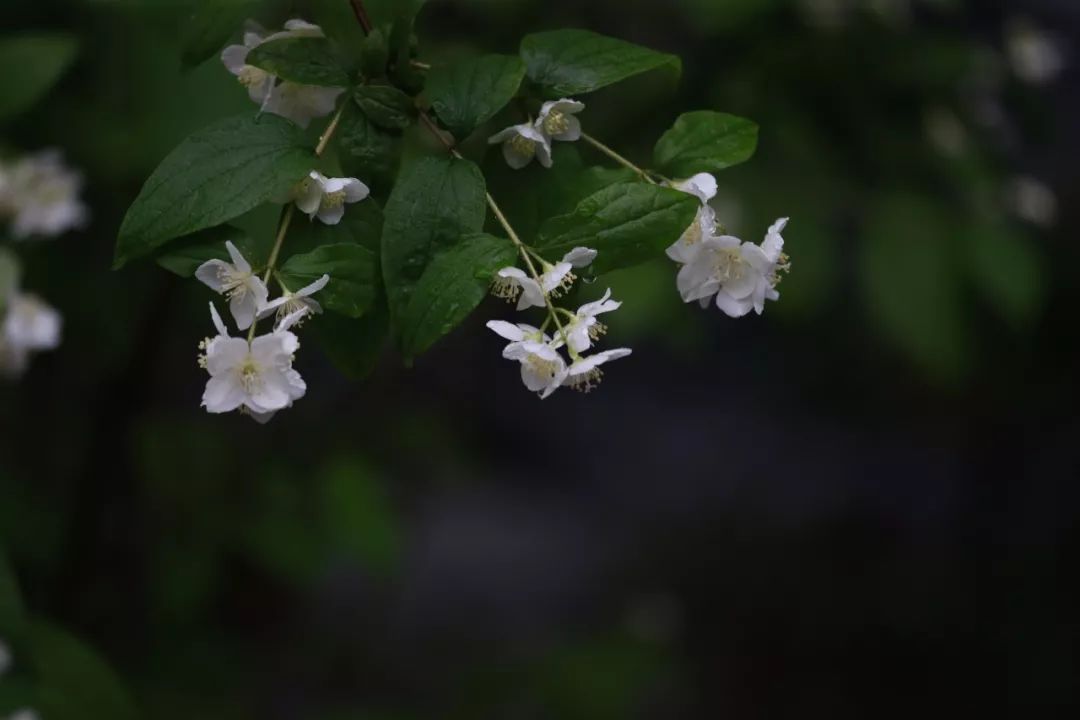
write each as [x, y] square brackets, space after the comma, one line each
[29, 326]
[584, 328]
[1032, 200]
[512, 283]
[299, 103]
[325, 198]
[1035, 56]
[542, 367]
[255, 377]
[246, 291]
[42, 195]
[296, 302]
[24, 714]
[557, 122]
[704, 187]
[521, 143]
[585, 373]
[945, 131]
[741, 275]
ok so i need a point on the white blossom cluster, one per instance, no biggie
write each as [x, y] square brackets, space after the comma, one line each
[522, 143]
[543, 367]
[255, 374]
[6, 661]
[715, 267]
[299, 103]
[39, 196]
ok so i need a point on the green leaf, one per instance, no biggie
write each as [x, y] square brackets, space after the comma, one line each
[352, 270]
[73, 682]
[909, 281]
[337, 20]
[375, 54]
[705, 141]
[367, 151]
[362, 225]
[386, 106]
[184, 256]
[304, 60]
[32, 64]
[210, 25]
[436, 202]
[1008, 269]
[354, 346]
[466, 94]
[359, 518]
[626, 224]
[574, 62]
[453, 285]
[215, 175]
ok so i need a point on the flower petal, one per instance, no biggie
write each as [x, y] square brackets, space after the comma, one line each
[506, 330]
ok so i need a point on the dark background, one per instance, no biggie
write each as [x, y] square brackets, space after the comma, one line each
[862, 504]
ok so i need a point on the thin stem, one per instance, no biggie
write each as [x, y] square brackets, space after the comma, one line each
[523, 249]
[290, 211]
[362, 17]
[420, 65]
[617, 157]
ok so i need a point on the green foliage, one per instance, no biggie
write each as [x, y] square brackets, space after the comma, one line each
[210, 25]
[304, 60]
[73, 682]
[1008, 270]
[575, 62]
[386, 106]
[354, 346]
[184, 256]
[705, 141]
[435, 204]
[352, 270]
[908, 284]
[338, 22]
[215, 175]
[468, 93]
[453, 285]
[367, 150]
[32, 64]
[626, 224]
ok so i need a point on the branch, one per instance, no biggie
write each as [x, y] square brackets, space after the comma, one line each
[362, 16]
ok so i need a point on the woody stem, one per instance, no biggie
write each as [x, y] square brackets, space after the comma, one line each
[617, 157]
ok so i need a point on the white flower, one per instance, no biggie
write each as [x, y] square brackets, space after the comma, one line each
[24, 714]
[704, 187]
[557, 121]
[585, 373]
[585, 328]
[246, 292]
[521, 143]
[325, 198]
[543, 369]
[43, 196]
[1036, 57]
[511, 282]
[255, 377]
[29, 325]
[299, 302]
[299, 103]
[1032, 200]
[741, 275]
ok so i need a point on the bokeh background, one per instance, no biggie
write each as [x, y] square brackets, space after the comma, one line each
[863, 504]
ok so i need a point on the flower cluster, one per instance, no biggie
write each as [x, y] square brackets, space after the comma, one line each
[299, 103]
[253, 374]
[6, 661]
[41, 196]
[716, 267]
[543, 368]
[522, 143]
